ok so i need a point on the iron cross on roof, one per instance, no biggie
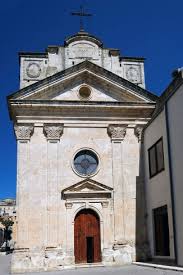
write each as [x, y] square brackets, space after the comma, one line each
[81, 14]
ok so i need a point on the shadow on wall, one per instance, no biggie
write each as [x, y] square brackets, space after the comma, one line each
[6, 242]
[142, 244]
[1, 236]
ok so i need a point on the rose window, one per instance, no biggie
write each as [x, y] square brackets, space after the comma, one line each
[86, 162]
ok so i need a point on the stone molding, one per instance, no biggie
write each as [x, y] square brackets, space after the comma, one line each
[138, 131]
[53, 131]
[117, 132]
[24, 132]
[87, 189]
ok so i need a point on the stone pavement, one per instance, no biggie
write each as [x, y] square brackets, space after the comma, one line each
[125, 270]
[5, 264]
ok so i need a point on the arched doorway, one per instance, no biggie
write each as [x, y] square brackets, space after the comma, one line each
[87, 237]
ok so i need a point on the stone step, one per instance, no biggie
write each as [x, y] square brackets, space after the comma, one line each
[87, 265]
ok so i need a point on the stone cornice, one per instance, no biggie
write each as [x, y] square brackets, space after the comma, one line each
[53, 131]
[81, 103]
[85, 36]
[23, 132]
[117, 132]
[76, 109]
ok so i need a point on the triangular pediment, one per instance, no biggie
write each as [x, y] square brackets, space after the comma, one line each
[105, 85]
[87, 189]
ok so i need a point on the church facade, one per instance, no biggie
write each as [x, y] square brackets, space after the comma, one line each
[78, 120]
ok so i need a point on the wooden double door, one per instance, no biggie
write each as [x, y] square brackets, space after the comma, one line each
[87, 247]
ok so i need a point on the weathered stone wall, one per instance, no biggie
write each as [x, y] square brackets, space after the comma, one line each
[46, 220]
[59, 123]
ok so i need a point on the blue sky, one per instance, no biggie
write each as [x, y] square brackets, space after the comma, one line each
[152, 29]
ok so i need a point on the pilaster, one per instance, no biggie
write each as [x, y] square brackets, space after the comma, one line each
[23, 135]
[138, 131]
[117, 134]
[53, 133]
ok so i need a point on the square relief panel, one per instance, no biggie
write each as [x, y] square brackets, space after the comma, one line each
[133, 73]
[33, 69]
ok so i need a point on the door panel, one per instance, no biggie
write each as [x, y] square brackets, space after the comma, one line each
[87, 237]
[90, 249]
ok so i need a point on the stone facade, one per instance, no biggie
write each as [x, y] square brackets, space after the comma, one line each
[76, 49]
[53, 124]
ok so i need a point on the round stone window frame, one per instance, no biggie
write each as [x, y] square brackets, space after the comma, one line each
[73, 166]
[80, 96]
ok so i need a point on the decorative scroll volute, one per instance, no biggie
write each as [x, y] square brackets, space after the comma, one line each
[53, 131]
[138, 131]
[117, 132]
[24, 132]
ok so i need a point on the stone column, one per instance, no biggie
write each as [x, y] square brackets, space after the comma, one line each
[23, 134]
[117, 134]
[53, 133]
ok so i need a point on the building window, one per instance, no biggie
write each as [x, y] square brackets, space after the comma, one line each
[86, 163]
[156, 158]
[161, 231]
[84, 92]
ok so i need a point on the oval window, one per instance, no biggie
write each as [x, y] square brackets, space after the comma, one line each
[86, 162]
[84, 92]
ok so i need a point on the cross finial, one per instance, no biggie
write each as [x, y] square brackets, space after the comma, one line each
[81, 14]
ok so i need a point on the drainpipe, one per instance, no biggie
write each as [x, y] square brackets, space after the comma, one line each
[171, 181]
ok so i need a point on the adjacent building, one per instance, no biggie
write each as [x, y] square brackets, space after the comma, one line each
[163, 174]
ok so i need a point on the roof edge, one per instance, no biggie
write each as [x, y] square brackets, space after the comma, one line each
[167, 94]
[83, 35]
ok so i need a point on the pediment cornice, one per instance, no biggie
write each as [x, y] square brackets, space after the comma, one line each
[85, 67]
[87, 189]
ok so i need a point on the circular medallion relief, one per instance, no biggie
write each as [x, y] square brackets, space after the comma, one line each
[132, 74]
[84, 92]
[86, 163]
[33, 70]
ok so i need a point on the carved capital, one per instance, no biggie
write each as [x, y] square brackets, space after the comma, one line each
[105, 204]
[23, 132]
[53, 131]
[68, 205]
[138, 132]
[117, 131]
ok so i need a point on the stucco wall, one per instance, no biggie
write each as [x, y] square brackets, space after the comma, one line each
[176, 137]
[157, 187]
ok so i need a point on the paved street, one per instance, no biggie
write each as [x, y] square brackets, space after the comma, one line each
[125, 270]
